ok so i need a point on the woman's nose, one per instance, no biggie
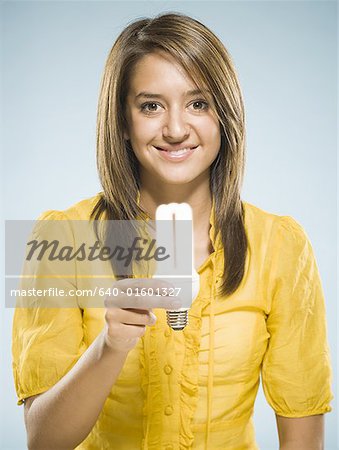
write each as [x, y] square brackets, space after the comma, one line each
[176, 127]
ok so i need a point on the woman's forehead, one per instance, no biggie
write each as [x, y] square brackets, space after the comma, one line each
[158, 68]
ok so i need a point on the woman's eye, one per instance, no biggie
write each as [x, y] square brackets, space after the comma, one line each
[149, 107]
[201, 105]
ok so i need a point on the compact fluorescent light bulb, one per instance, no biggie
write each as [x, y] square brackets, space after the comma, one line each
[168, 237]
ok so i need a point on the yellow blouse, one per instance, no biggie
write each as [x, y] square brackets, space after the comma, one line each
[196, 388]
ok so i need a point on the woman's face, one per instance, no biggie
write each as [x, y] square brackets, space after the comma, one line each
[174, 133]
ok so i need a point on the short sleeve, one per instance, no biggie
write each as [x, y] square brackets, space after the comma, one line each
[296, 369]
[46, 341]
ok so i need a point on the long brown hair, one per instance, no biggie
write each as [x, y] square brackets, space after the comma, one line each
[205, 59]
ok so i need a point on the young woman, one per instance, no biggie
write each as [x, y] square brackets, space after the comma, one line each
[171, 129]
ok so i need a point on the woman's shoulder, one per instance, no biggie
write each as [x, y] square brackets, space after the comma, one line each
[257, 216]
[260, 223]
[80, 210]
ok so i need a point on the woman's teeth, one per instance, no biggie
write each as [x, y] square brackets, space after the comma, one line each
[180, 151]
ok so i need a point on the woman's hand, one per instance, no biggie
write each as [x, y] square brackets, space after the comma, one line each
[124, 326]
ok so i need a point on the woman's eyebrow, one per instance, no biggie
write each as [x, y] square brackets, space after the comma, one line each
[151, 95]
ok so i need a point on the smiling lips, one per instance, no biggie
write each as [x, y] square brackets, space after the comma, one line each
[179, 152]
[176, 153]
[176, 150]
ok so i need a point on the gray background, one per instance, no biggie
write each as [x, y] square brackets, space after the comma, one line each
[53, 55]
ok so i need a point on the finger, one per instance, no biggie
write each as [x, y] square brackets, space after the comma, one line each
[129, 317]
[123, 331]
[145, 302]
[139, 283]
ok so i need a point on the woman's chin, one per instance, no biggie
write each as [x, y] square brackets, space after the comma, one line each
[176, 180]
[173, 177]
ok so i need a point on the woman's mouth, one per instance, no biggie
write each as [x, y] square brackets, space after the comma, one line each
[180, 154]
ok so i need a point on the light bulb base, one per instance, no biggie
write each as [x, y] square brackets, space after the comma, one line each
[178, 319]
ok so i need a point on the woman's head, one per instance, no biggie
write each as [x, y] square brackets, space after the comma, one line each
[198, 59]
[203, 61]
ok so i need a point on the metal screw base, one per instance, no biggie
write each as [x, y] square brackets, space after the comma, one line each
[177, 320]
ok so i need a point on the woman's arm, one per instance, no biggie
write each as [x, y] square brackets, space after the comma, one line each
[63, 416]
[302, 433]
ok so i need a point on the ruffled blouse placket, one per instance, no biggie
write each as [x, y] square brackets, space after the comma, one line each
[170, 368]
